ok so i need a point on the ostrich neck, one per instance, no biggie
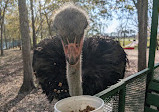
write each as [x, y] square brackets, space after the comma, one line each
[74, 79]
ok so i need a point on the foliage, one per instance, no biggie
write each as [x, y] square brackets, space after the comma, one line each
[100, 12]
[12, 24]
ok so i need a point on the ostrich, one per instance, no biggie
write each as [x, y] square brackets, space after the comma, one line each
[69, 64]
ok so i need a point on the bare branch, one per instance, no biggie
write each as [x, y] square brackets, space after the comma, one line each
[135, 3]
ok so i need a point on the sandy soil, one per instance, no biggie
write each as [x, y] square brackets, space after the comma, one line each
[11, 76]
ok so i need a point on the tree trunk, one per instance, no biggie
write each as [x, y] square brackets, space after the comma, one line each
[2, 35]
[124, 40]
[5, 37]
[33, 22]
[49, 24]
[1, 29]
[41, 22]
[13, 43]
[9, 42]
[2, 23]
[19, 43]
[28, 84]
[142, 8]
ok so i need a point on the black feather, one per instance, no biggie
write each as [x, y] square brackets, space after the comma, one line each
[103, 64]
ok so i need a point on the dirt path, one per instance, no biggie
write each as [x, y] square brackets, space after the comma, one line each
[11, 79]
[132, 56]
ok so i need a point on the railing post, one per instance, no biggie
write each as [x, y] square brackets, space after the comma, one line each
[153, 38]
[121, 105]
[152, 49]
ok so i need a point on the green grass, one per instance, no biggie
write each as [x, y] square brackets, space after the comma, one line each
[126, 43]
[129, 40]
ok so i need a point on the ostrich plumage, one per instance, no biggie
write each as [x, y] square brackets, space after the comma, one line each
[103, 60]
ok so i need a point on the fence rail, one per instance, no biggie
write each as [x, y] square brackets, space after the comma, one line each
[129, 93]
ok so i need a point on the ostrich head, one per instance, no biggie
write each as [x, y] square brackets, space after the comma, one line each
[70, 24]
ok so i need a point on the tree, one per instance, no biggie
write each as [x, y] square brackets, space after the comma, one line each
[33, 22]
[139, 7]
[142, 11]
[12, 23]
[5, 37]
[41, 28]
[2, 13]
[99, 12]
[28, 84]
[142, 46]
[1, 28]
[124, 32]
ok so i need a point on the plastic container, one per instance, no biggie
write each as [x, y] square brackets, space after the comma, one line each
[76, 103]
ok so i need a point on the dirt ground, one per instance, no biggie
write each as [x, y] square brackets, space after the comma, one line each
[11, 76]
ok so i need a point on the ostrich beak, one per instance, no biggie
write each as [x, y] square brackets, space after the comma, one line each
[72, 51]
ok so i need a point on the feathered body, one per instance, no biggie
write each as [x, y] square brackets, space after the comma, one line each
[103, 64]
